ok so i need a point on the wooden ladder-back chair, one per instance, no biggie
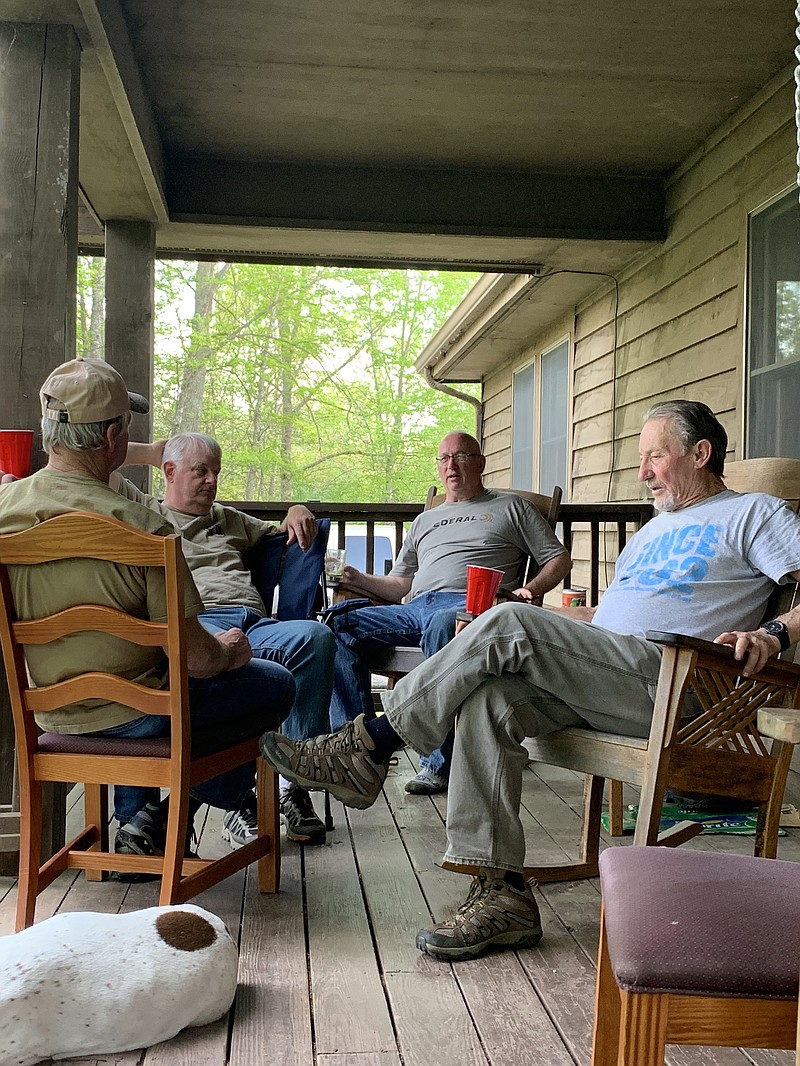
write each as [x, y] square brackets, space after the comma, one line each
[723, 752]
[397, 662]
[174, 762]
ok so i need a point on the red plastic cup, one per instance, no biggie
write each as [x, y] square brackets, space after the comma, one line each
[15, 451]
[482, 585]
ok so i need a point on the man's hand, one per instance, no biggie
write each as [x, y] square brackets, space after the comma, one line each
[352, 578]
[755, 647]
[301, 526]
[6, 479]
[141, 453]
[236, 646]
[523, 594]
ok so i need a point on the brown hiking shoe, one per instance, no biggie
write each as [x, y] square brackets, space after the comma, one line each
[494, 914]
[338, 762]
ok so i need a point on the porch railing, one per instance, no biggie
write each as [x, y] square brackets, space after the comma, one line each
[584, 530]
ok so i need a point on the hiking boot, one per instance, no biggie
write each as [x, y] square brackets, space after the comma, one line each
[338, 762]
[494, 914]
[300, 818]
[146, 834]
[426, 783]
[240, 827]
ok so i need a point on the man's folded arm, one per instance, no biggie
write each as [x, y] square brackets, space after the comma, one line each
[389, 587]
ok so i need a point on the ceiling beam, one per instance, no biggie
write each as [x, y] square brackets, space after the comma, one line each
[444, 201]
[111, 41]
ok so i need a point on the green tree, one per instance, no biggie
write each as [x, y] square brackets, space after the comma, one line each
[304, 374]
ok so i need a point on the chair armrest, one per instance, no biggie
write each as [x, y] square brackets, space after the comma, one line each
[779, 723]
[342, 594]
[723, 653]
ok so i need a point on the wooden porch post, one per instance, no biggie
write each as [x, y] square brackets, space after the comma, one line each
[39, 83]
[130, 297]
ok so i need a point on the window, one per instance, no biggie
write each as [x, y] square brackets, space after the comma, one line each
[540, 422]
[773, 375]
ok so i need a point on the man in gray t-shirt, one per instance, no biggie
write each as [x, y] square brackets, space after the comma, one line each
[474, 526]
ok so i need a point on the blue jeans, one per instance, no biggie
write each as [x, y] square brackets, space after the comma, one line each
[305, 648]
[427, 622]
[231, 697]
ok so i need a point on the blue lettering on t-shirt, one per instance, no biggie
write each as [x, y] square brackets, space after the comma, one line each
[674, 562]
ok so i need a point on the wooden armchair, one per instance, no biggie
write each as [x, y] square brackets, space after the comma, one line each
[397, 662]
[723, 752]
[176, 762]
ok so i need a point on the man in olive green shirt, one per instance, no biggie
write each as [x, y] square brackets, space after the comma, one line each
[86, 411]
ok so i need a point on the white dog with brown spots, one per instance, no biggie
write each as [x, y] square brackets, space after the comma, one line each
[91, 984]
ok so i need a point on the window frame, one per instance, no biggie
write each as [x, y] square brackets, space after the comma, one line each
[536, 363]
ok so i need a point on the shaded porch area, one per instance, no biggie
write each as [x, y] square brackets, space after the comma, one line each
[329, 974]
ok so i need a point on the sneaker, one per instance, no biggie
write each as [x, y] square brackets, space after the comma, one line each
[338, 762]
[146, 834]
[300, 818]
[426, 783]
[494, 914]
[240, 827]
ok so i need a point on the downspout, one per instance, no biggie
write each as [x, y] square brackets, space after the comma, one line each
[476, 403]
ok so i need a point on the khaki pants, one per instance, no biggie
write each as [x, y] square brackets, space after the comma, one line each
[517, 671]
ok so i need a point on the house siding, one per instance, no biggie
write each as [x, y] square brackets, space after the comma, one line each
[680, 320]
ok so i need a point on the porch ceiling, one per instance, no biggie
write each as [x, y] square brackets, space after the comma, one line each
[443, 131]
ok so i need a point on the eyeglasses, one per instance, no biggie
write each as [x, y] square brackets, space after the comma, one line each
[457, 457]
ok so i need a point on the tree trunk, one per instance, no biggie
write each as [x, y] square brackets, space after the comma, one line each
[189, 407]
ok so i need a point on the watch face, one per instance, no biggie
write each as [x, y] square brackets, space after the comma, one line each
[779, 630]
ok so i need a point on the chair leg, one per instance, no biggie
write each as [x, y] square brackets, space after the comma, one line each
[95, 807]
[329, 826]
[616, 808]
[769, 813]
[177, 825]
[269, 823]
[30, 851]
[643, 1028]
[586, 866]
[605, 1038]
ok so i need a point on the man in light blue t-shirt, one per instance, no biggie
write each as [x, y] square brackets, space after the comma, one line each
[705, 566]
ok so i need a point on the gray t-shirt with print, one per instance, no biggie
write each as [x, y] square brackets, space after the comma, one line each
[213, 546]
[496, 529]
[704, 569]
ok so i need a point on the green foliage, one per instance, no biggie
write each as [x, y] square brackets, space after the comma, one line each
[305, 375]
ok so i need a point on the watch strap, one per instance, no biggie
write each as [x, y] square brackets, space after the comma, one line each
[779, 630]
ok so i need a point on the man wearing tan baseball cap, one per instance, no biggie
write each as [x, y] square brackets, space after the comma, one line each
[86, 411]
[88, 390]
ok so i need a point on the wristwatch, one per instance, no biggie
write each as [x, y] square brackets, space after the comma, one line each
[779, 630]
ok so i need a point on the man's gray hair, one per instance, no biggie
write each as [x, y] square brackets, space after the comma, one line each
[693, 421]
[177, 447]
[75, 436]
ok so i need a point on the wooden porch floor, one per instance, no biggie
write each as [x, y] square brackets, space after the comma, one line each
[329, 974]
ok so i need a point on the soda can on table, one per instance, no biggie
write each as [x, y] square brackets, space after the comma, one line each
[573, 598]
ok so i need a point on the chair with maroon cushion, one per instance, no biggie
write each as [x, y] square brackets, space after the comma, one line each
[695, 948]
[176, 762]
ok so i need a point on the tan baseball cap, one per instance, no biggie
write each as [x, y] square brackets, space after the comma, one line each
[87, 390]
